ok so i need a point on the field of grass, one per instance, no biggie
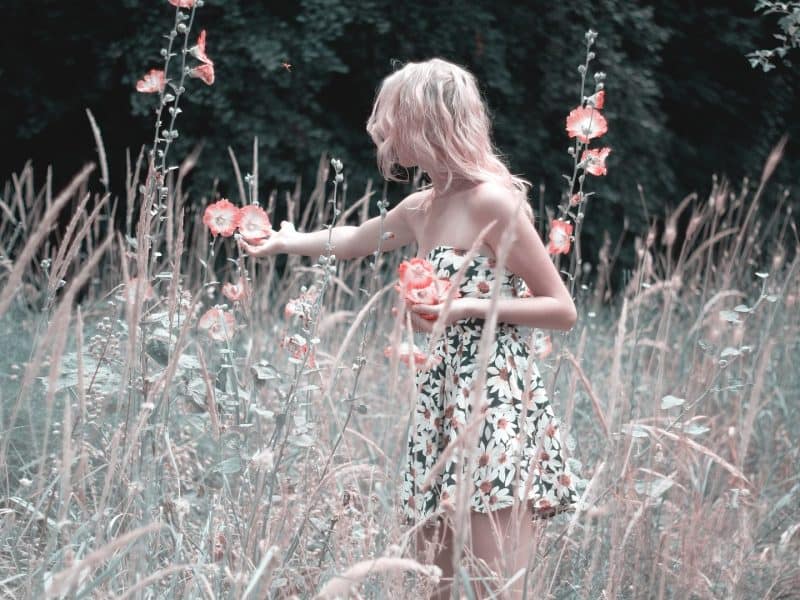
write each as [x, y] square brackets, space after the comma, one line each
[166, 435]
[142, 458]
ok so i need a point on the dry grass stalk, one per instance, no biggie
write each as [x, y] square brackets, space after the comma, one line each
[339, 586]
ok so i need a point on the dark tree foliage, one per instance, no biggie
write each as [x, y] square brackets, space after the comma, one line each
[681, 100]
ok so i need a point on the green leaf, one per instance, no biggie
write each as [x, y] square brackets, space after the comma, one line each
[730, 316]
[729, 351]
[229, 465]
[670, 401]
[695, 429]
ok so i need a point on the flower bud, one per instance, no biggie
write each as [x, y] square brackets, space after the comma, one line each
[670, 233]
[181, 28]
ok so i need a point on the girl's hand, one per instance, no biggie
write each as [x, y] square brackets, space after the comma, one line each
[424, 316]
[275, 243]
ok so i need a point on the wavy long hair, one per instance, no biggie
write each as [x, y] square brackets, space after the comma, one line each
[434, 112]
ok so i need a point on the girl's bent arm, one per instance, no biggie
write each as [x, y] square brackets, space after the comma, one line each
[552, 306]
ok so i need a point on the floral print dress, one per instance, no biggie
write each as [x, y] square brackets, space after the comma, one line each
[511, 447]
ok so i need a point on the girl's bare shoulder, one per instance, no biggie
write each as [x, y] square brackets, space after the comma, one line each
[491, 200]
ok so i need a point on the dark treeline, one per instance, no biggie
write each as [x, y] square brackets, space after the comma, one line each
[682, 101]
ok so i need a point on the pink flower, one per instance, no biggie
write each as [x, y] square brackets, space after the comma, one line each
[297, 346]
[586, 123]
[434, 293]
[218, 323]
[598, 99]
[235, 291]
[302, 306]
[199, 50]
[575, 199]
[559, 237]
[408, 353]
[153, 82]
[205, 72]
[182, 3]
[415, 273]
[596, 164]
[254, 223]
[222, 218]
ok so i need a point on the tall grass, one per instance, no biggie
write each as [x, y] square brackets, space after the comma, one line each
[137, 454]
[140, 457]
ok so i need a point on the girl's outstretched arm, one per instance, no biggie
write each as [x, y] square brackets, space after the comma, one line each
[348, 241]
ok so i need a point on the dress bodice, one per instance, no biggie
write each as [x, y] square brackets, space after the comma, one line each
[479, 277]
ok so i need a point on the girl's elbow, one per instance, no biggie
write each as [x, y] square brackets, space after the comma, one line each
[570, 318]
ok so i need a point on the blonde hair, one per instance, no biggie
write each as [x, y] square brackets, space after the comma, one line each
[433, 110]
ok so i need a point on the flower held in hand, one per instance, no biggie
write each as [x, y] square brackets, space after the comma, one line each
[222, 218]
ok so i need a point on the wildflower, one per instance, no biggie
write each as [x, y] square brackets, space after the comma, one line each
[586, 123]
[415, 273]
[302, 306]
[153, 82]
[434, 293]
[199, 49]
[254, 223]
[222, 218]
[297, 346]
[220, 324]
[575, 199]
[182, 3]
[559, 237]
[235, 291]
[596, 160]
[204, 72]
[406, 353]
[219, 538]
[542, 346]
[598, 99]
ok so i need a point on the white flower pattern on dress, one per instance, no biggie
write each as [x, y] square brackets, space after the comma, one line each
[511, 447]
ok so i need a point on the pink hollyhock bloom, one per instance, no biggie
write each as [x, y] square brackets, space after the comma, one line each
[434, 293]
[205, 72]
[153, 82]
[254, 223]
[199, 50]
[586, 123]
[415, 273]
[297, 346]
[222, 218]
[559, 237]
[218, 323]
[542, 346]
[408, 353]
[596, 164]
[302, 305]
[235, 291]
[597, 100]
[182, 3]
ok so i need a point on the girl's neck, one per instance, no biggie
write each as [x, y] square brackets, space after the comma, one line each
[439, 181]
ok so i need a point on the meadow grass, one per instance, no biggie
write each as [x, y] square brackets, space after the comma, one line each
[141, 458]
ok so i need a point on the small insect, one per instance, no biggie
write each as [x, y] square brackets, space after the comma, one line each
[286, 66]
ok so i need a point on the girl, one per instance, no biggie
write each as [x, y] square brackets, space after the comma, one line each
[431, 115]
